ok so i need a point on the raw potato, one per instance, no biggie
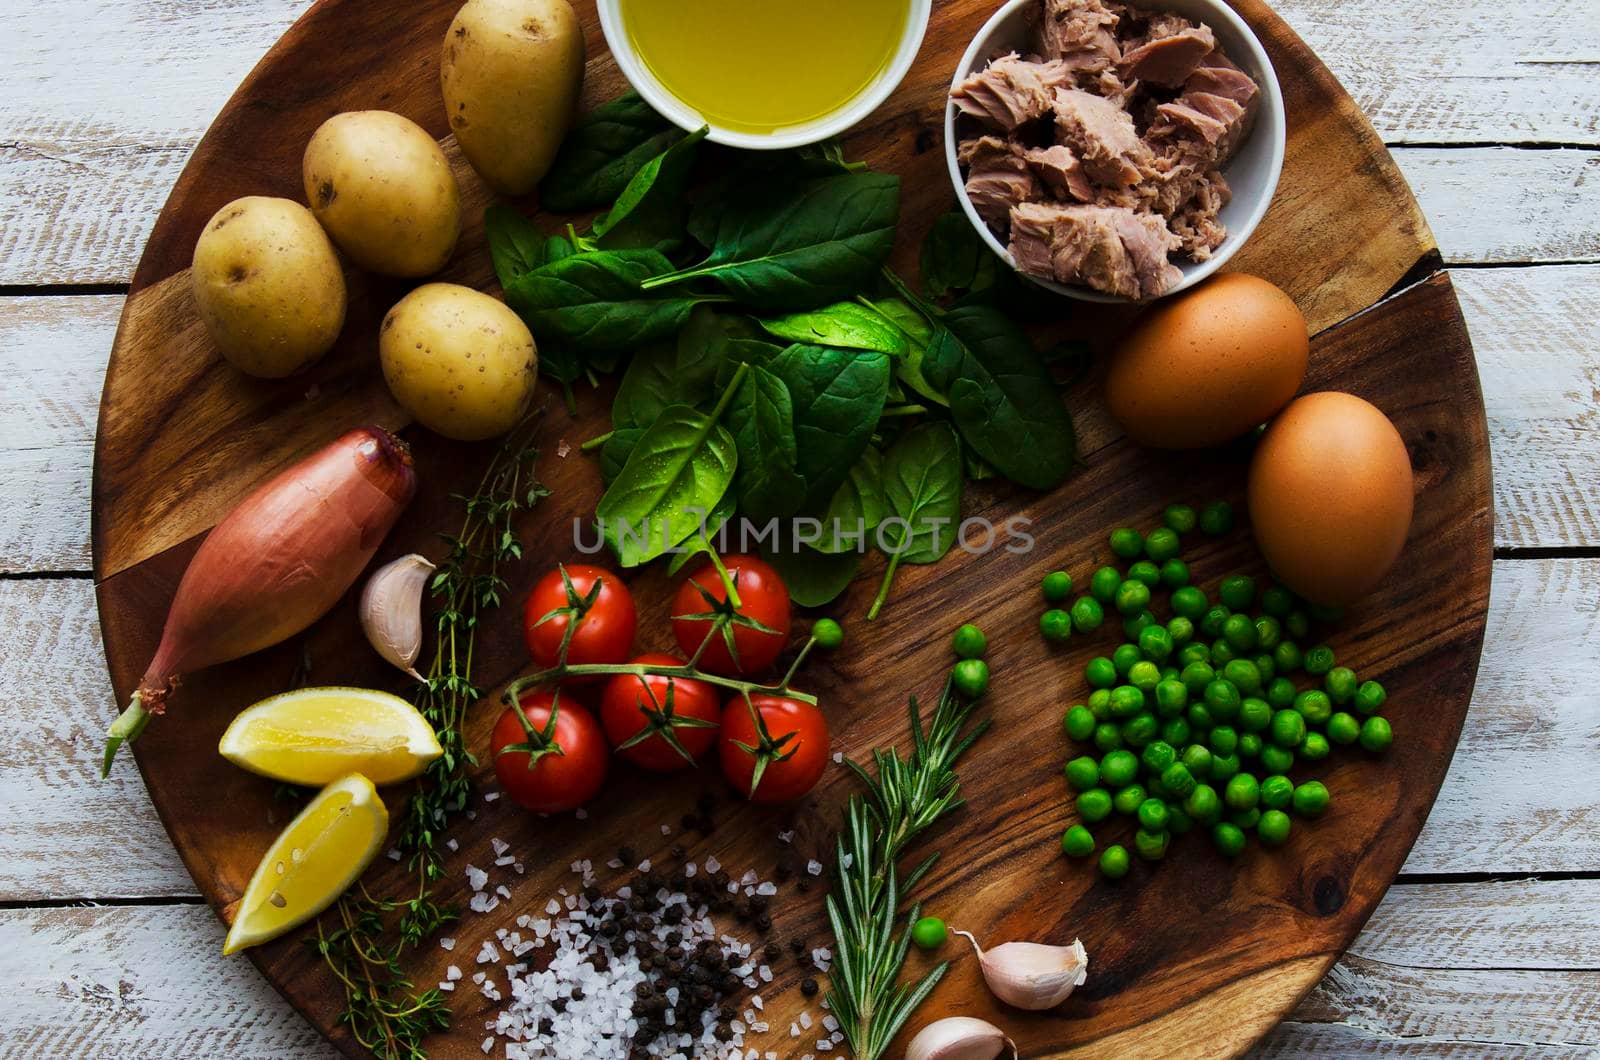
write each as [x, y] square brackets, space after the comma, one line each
[384, 191]
[511, 71]
[268, 286]
[459, 361]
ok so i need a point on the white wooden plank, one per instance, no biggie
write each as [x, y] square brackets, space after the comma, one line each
[147, 982]
[1477, 72]
[1502, 204]
[68, 834]
[1529, 924]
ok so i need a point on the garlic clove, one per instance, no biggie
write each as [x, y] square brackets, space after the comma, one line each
[391, 610]
[1031, 975]
[959, 1038]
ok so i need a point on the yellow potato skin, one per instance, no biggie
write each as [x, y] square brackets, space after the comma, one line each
[511, 71]
[459, 361]
[268, 286]
[384, 191]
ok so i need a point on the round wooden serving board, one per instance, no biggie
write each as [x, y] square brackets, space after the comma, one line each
[1198, 956]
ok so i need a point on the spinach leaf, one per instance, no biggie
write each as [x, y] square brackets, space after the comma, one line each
[922, 489]
[955, 258]
[814, 578]
[516, 246]
[702, 542]
[682, 464]
[614, 454]
[796, 245]
[918, 333]
[761, 420]
[848, 325]
[560, 363]
[1005, 402]
[651, 209]
[603, 152]
[857, 507]
[646, 388]
[702, 352]
[593, 300]
[555, 248]
[838, 397]
[942, 360]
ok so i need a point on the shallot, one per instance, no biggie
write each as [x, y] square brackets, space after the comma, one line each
[275, 564]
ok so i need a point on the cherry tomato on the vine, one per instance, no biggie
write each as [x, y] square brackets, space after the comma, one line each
[656, 711]
[792, 751]
[764, 602]
[607, 619]
[571, 755]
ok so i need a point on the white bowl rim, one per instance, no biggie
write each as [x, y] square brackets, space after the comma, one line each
[674, 110]
[1238, 235]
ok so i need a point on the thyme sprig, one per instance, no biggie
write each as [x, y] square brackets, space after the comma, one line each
[908, 796]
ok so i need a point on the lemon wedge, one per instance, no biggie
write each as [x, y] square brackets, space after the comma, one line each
[311, 863]
[313, 736]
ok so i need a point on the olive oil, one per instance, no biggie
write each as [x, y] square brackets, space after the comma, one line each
[759, 65]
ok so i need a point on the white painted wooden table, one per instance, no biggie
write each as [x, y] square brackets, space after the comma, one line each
[1489, 944]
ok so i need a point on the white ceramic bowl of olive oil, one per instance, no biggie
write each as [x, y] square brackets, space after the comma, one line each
[765, 74]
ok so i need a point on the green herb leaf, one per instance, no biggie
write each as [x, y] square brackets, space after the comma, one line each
[682, 464]
[602, 153]
[614, 454]
[593, 300]
[838, 397]
[919, 333]
[955, 258]
[516, 246]
[650, 211]
[761, 420]
[814, 578]
[922, 486]
[848, 325]
[647, 387]
[857, 507]
[700, 543]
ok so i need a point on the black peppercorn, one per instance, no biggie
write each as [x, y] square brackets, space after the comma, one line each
[809, 987]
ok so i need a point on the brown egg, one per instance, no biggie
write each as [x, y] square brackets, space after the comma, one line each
[1209, 364]
[1330, 497]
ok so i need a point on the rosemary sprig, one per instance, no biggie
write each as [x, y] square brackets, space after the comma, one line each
[908, 796]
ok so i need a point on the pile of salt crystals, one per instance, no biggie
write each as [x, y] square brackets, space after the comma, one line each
[629, 974]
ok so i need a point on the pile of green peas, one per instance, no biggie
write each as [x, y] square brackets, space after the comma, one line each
[1197, 721]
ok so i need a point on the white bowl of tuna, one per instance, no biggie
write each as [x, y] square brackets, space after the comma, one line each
[1114, 153]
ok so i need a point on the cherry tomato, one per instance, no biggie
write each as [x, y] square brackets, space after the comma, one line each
[795, 747]
[765, 600]
[605, 631]
[627, 710]
[564, 777]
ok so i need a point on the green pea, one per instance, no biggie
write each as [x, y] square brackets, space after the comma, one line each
[1238, 591]
[1224, 740]
[1114, 862]
[1344, 729]
[1199, 717]
[1244, 676]
[1229, 839]
[1216, 518]
[1079, 722]
[1171, 698]
[1162, 544]
[1151, 845]
[1287, 657]
[1319, 660]
[1126, 701]
[1103, 584]
[1087, 614]
[1311, 799]
[1107, 736]
[1370, 697]
[1269, 633]
[968, 643]
[1273, 828]
[1100, 703]
[1197, 757]
[1128, 800]
[1056, 626]
[1189, 602]
[929, 933]
[1175, 731]
[1196, 676]
[1180, 517]
[1094, 805]
[1313, 706]
[1288, 728]
[829, 634]
[1057, 586]
[1083, 772]
[1177, 779]
[1153, 815]
[1277, 601]
[1144, 675]
[1297, 625]
[1154, 790]
[1276, 791]
[1193, 652]
[1155, 643]
[1281, 692]
[1132, 597]
[1222, 652]
[1133, 625]
[1222, 699]
[1100, 672]
[1341, 684]
[1316, 748]
[1076, 842]
[1242, 793]
[1146, 572]
[1276, 759]
[1265, 667]
[1376, 735]
[1124, 657]
[1240, 633]
[1203, 804]
[1158, 755]
[1169, 672]
[1178, 820]
[1212, 622]
[1249, 745]
[1174, 574]
[1126, 542]
[1224, 767]
[1255, 715]
[971, 677]
[1140, 730]
[1118, 769]
[1245, 819]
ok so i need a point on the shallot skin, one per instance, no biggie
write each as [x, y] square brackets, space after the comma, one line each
[277, 562]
